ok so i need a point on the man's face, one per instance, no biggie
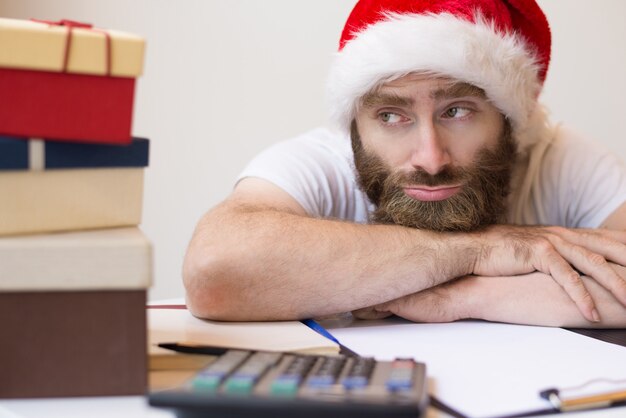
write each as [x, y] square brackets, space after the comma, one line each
[433, 154]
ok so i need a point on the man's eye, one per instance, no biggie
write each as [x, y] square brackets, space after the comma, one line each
[390, 117]
[457, 112]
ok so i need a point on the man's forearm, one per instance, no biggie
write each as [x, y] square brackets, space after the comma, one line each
[531, 299]
[535, 299]
[250, 263]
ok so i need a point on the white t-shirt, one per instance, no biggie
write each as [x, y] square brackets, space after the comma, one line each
[578, 184]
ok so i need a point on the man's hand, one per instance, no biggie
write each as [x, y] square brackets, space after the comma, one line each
[531, 299]
[443, 303]
[564, 254]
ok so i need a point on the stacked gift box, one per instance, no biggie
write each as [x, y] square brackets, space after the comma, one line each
[74, 266]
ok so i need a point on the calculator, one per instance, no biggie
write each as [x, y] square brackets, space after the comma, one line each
[261, 384]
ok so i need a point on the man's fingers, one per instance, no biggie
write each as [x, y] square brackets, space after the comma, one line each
[594, 265]
[571, 282]
[370, 313]
[598, 268]
[610, 244]
[619, 236]
[559, 252]
[572, 233]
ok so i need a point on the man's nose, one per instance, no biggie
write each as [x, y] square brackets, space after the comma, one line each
[430, 152]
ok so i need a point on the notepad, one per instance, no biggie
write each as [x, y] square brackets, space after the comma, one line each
[484, 369]
[178, 325]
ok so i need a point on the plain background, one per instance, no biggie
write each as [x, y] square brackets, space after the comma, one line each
[224, 79]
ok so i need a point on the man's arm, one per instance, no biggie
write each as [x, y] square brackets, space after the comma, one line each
[257, 256]
[531, 299]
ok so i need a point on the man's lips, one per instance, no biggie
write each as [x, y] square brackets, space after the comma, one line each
[431, 194]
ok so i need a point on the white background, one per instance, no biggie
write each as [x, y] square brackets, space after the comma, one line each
[225, 78]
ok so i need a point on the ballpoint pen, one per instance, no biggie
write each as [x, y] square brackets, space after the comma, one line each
[593, 394]
[190, 348]
[322, 331]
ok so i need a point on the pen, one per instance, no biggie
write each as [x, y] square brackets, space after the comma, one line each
[190, 348]
[322, 331]
[319, 329]
[583, 401]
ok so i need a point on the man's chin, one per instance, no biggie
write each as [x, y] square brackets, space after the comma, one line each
[441, 216]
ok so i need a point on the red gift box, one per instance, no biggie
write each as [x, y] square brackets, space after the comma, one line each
[71, 107]
[73, 83]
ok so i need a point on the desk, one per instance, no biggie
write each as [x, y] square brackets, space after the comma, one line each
[137, 407]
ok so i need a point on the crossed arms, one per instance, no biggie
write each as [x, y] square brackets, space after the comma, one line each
[258, 256]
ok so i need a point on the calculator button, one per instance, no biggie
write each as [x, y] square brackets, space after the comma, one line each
[359, 374]
[326, 374]
[211, 377]
[256, 365]
[299, 367]
[354, 382]
[243, 379]
[401, 375]
[398, 385]
[239, 384]
[362, 367]
[320, 381]
[285, 385]
[226, 363]
[206, 383]
[289, 380]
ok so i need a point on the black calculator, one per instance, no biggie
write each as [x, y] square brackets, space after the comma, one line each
[260, 384]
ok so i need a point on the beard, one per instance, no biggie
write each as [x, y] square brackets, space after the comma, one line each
[480, 202]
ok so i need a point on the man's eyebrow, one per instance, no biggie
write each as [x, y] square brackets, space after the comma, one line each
[374, 99]
[458, 90]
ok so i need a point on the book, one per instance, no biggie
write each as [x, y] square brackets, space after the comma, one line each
[66, 200]
[105, 259]
[174, 323]
[180, 326]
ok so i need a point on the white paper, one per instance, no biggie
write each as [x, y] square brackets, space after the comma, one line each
[488, 369]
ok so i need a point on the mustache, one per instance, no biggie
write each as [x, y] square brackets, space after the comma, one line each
[447, 176]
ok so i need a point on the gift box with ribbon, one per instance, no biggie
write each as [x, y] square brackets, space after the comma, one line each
[72, 313]
[67, 81]
[48, 186]
[74, 266]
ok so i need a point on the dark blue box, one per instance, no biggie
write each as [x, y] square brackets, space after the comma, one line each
[14, 154]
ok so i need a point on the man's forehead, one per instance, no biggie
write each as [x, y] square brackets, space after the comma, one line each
[438, 89]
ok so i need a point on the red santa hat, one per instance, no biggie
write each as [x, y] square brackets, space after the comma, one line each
[501, 46]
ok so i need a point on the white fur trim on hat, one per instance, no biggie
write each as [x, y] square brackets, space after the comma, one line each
[473, 52]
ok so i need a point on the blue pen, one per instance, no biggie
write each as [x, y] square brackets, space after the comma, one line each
[319, 329]
[322, 331]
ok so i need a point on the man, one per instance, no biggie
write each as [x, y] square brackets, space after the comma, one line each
[445, 194]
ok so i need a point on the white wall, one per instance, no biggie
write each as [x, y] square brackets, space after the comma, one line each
[225, 78]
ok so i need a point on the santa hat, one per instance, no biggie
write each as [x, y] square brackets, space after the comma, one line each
[501, 46]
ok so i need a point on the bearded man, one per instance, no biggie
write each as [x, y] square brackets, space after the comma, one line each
[443, 193]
